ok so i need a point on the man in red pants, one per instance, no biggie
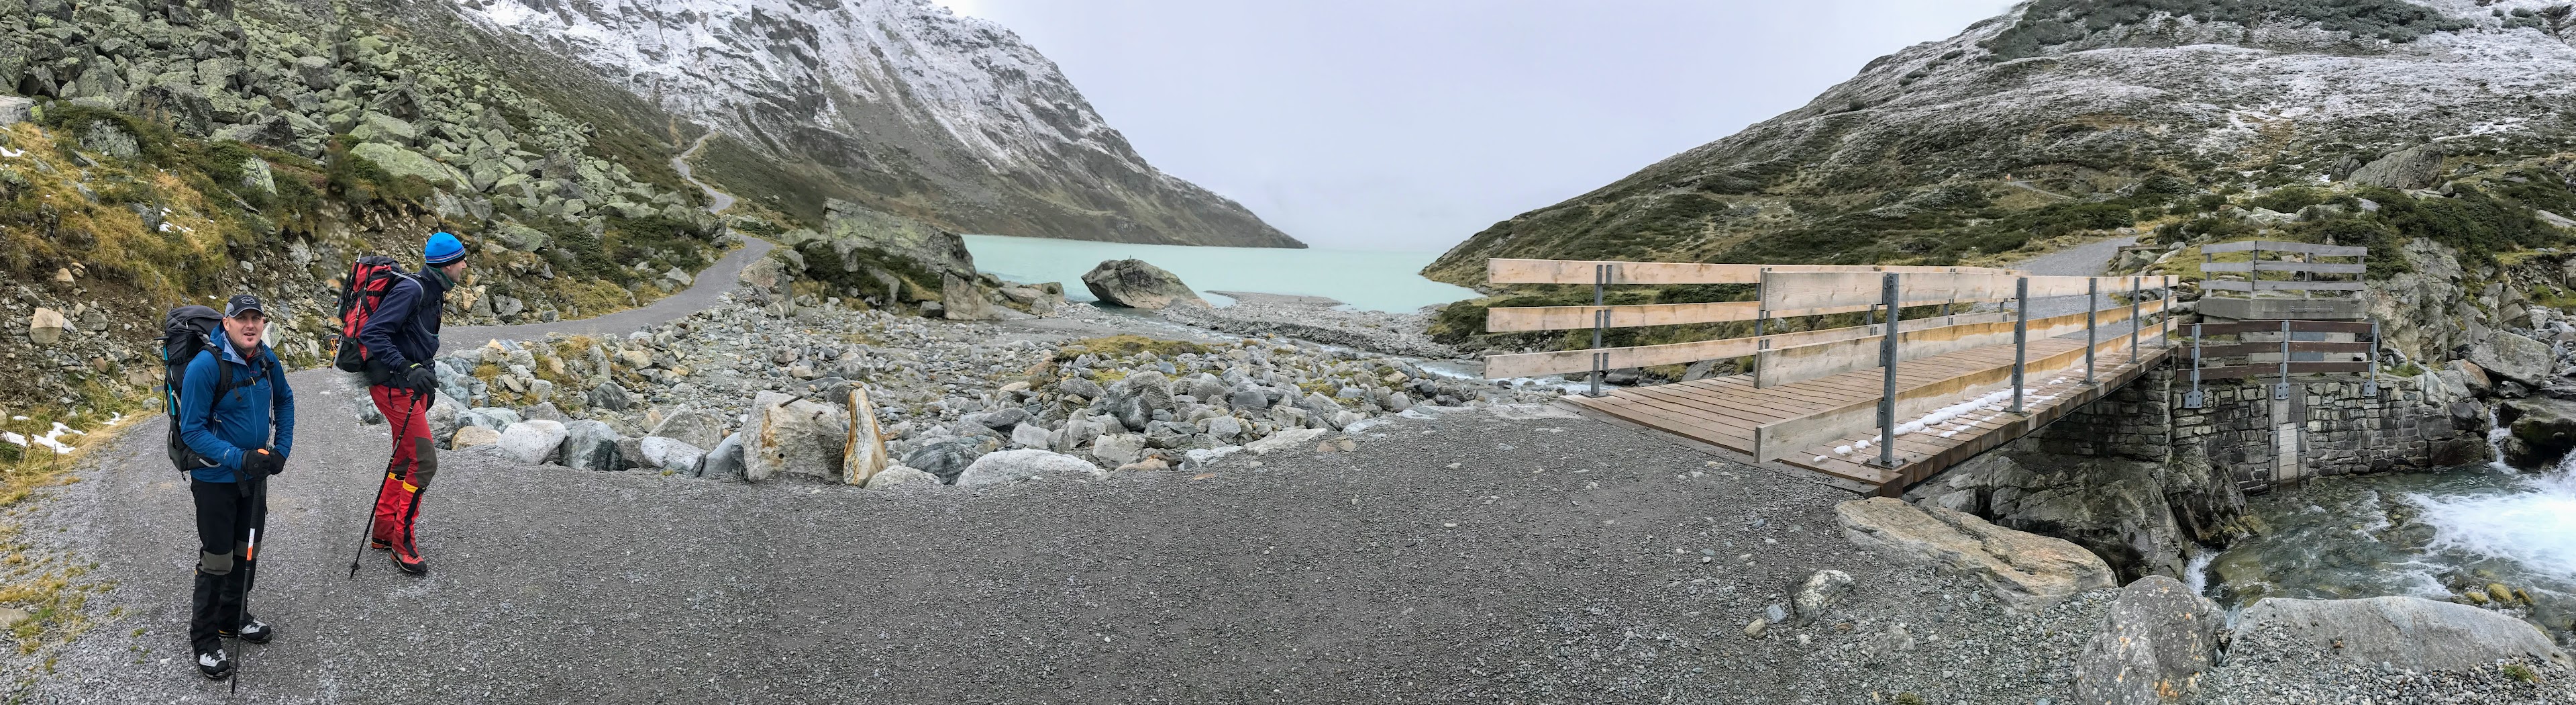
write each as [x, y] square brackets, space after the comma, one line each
[401, 340]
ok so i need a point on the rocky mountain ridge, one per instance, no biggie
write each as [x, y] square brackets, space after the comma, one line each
[898, 105]
[1927, 154]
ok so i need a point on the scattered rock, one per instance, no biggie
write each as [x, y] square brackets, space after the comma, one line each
[1017, 465]
[671, 454]
[724, 462]
[47, 326]
[611, 397]
[532, 442]
[2157, 640]
[945, 458]
[590, 445]
[1118, 448]
[1819, 593]
[2022, 569]
[1761, 626]
[794, 437]
[2404, 632]
[1283, 440]
[471, 436]
[1134, 284]
[897, 476]
[691, 426]
[864, 453]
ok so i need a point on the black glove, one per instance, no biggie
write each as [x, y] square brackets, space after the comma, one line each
[263, 463]
[418, 377]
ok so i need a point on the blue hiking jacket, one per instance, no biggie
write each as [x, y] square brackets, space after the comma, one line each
[224, 429]
[404, 329]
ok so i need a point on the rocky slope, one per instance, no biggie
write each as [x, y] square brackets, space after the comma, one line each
[895, 104]
[2021, 126]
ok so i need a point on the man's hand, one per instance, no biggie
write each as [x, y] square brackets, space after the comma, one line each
[262, 463]
[418, 377]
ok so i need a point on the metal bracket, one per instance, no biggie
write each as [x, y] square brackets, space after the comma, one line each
[2192, 399]
[2281, 390]
[2370, 389]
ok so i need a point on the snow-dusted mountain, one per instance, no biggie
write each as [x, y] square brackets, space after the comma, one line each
[898, 104]
[2082, 97]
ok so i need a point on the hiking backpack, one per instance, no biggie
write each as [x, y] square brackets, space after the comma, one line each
[186, 331]
[370, 278]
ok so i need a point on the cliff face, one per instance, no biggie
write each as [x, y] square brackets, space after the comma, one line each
[1928, 154]
[898, 105]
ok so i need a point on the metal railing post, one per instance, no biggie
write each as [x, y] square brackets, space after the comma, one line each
[2021, 337]
[1600, 323]
[1887, 360]
[2092, 301]
[2371, 388]
[2135, 324]
[2282, 391]
[2192, 399]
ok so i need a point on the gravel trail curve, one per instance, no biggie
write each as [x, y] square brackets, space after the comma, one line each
[713, 282]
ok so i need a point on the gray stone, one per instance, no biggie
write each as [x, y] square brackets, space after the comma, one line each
[724, 462]
[2544, 430]
[1223, 429]
[2020, 568]
[1018, 465]
[611, 397]
[1079, 387]
[533, 442]
[691, 426]
[2405, 632]
[1118, 448]
[1134, 284]
[494, 418]
[1289, 439]
[47, 326]
[898, 476]
[14, 110]
[2514, 357]
[2412, 168]
[2155, 642]
[590, 445]
[944, 458]
[794, 438]
[1029, 435]
[472, 436]
[1819, 593]
[670, 454]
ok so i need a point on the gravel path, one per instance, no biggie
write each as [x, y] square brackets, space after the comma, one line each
[713, 282]
[2085, 260]
[1464, 558]
[717, 201]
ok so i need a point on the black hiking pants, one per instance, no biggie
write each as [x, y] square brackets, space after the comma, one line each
[227, 512]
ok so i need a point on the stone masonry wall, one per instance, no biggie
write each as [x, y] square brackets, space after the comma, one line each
[2340, 431]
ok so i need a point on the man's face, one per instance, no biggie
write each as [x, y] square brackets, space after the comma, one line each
[244, 330]
[455, 270]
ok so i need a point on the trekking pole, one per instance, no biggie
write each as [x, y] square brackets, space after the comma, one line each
[241, 609]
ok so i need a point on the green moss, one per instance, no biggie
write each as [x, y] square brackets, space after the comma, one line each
[1125, 345]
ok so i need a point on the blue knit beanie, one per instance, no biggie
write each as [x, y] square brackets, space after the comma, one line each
[443, 249]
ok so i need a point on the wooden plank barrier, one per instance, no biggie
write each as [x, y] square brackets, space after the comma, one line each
[2279, 246]
[1775, 440]
[1562, 361]
[2272, 368]
[1786, 365]
[2269, 285]
[2275, 266]
[1551, 271]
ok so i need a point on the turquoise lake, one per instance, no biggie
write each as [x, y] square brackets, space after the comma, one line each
[1375, 281]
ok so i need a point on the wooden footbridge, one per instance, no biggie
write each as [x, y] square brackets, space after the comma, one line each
[1970, 370]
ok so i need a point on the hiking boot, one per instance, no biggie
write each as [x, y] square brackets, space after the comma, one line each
[380, 544]
[253, 631]
[407, 557]
[214, 665]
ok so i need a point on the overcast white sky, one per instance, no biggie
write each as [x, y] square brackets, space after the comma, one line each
[1412, 124]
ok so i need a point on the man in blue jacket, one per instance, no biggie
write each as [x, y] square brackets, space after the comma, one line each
[401, 339]
[243, 437]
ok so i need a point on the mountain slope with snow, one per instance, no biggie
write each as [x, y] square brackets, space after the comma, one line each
[2085, 99]
[897, 104]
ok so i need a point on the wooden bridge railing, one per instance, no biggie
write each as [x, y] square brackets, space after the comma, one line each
[2235, 360]
[1784, 291]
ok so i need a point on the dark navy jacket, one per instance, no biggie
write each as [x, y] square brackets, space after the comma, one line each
[404, 328]
[223, 429]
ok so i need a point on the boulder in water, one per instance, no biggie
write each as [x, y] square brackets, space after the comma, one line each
[1134, 284]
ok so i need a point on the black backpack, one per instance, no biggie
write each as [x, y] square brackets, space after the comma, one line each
[186, 331]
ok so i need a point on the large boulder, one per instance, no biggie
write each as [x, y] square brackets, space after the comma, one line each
[400, 162]
[2415, 167]
[2022, 569]
[590, 445]
[2544, 429]
[962, 299]
[2405, 632]
[691, 426]
[2515, 358]
[1134, 284]
[793, 438]
[946, 458]
[2153, 645]
[533, 442]
[1017, 465]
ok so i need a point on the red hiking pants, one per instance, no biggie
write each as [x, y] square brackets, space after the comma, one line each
[414, 462]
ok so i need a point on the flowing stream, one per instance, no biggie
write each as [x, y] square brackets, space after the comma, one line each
[2449, 535]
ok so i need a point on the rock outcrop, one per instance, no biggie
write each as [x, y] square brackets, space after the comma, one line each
[2152, 648]
[2515, 358]
[2022, 569]
[1135, 284]
[2414, 167]
[899, 104]
[2544, 430]
[2404, 632]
